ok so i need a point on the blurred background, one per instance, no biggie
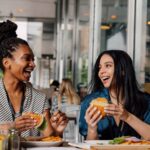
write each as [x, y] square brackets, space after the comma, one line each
[67, 35]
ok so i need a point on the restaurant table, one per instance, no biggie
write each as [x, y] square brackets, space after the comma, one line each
[52, 148]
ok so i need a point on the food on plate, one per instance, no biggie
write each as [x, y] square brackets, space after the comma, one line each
[141, 142]
[100, 103]
[31, 138]
[52, 138]
[44, 139]
[117, 140]
[126, 140]
[41, 121]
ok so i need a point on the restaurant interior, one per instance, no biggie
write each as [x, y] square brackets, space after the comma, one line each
[66, 37]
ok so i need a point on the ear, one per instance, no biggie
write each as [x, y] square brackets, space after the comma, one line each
[6, 63]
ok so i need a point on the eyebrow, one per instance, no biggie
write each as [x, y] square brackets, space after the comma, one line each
[28, 54]
[108, 62]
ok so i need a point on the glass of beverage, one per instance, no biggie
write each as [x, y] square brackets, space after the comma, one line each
[4, 133]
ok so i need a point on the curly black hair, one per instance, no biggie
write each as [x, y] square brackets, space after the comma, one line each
[8, 40]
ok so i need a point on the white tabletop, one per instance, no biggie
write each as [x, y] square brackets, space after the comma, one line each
[53, 148]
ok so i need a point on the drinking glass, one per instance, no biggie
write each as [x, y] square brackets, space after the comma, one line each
[4, 133]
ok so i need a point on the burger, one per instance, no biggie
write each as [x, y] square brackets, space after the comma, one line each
[40, 120]
[100, 103]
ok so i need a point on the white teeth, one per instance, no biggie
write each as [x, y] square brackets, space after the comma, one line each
[28, 70]
[104, 78]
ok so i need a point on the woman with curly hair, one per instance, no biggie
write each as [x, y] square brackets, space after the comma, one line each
[17, 94]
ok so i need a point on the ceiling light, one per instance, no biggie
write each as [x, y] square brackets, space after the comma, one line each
[105, 27]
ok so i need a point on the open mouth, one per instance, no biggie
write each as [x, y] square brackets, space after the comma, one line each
[27, 73]
[105, 79]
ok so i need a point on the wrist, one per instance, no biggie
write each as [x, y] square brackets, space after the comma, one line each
[92, 129]
[128, 117]
[92, 133]
[57, 133]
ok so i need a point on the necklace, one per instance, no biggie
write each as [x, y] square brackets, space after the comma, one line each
[122, 126]
[15, 114]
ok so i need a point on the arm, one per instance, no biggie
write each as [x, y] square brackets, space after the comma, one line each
[4, 126]
[49, 130]
[138, 125]
[92, 117]
[58, 122]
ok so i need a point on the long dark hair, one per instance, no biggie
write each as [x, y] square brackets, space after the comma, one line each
[125, 82]
[8, 40]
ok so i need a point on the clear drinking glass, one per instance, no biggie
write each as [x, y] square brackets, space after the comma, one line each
[4, 132]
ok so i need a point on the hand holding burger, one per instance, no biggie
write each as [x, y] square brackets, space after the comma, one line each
[95, 112]
[39, 120]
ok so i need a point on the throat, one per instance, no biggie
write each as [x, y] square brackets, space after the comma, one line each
[117, 120]
[113, 99]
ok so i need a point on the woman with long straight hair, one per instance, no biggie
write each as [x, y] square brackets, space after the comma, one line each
[128, 108]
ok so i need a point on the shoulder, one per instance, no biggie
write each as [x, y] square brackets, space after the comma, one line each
[87, 99]
[35, 92]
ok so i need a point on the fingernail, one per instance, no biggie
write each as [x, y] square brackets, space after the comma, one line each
[54, 118]
[95, 108]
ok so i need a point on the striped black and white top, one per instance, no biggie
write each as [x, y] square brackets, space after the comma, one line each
[34, 101]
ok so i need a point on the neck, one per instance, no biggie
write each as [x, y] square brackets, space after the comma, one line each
[12, 85]
[113, 96]
[112, 93]
[114, 99]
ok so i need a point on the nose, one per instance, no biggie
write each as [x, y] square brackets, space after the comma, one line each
[102, 70]
[32, 64]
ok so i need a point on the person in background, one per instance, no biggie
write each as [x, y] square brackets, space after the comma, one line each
[17, 94]
[55, 84]
[128, 110]
[69, 102]
[67, 93]
[82, 90]
[54, 90]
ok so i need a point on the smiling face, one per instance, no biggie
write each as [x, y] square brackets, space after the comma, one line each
[106, 70]
[21, 64]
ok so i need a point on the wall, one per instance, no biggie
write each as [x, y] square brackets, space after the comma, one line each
[28, 8]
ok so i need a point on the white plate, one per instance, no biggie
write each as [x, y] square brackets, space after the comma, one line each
[80, 145]
[88, 143]
[95, 142]
[40, 143]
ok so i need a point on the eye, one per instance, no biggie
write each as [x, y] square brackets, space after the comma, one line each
[28, 58]
[108, 65]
